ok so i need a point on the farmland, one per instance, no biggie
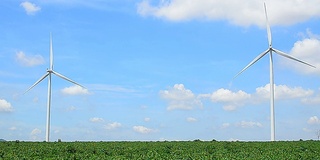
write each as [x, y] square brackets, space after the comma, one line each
[161, 150]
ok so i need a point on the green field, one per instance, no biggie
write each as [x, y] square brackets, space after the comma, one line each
[161, 150]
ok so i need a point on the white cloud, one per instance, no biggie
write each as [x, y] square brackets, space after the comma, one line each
[113, 125]
[5, 106]
[314, 120]
[35, 100]
[56, 131]
[179, 97]
[35, 133]
[282, 92]
[263, 92]
[30, 8]
[307, 130]
[75, 90]
[71, 108]
[13, 128]
[240, 12]
[231, 100]
[225, 125]
[230, 107]
[108, 126]
[225, 95]
[307, 50]
[191, 119]
[248, 124]
[178, 92]
[147, 119]
[142, 129]
[311, 100]
[96, 120]
[29, 61]
[285, 92]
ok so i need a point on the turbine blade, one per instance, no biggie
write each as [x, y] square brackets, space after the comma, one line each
[43, 77]
[252, 62]
[291, 57]
[65, 78]
[51, 53]
[268, 26]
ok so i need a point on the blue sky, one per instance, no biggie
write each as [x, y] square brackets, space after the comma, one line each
[158, 70]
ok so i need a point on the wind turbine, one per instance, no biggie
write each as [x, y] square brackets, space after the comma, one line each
[48, 74]
[271, 50]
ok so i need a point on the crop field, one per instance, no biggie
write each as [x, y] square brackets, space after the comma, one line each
[161, 150]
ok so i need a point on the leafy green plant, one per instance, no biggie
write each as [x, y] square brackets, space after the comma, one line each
[161, 150]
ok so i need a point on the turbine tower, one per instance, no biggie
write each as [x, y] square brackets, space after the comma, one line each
[48, 74]
[271, 50]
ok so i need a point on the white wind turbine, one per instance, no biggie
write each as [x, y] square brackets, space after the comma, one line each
[270, 50]
[48, 74]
